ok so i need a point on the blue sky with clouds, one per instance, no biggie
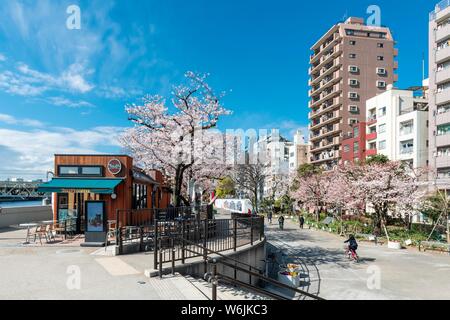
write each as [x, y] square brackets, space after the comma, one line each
[64, 90]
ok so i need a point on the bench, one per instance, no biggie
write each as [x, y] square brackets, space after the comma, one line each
[433, 245]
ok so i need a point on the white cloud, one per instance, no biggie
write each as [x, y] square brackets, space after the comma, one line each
[65, 102]
[8, 119]
[33, 151]
[2, 57]
[29, 82]
[114, 92]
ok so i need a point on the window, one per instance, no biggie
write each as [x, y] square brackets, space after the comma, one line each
[381, 84]
[353, 95]
[355, 132]
[351, 42]
[346, 148]
[443, 151]
[372, 146]
[372, 129]
[380, 58]
[352, 55]
[353, 109]
[406, 127]
[140, 196]
[382, 128]
[352, 121]
[380, 45]
[381, 71]
[67, 171]
[353, 69]
[353, 82]
[355, 146]
[406, 147]
[92, 171]
[382, 145]
[382, 112]
[443, 129]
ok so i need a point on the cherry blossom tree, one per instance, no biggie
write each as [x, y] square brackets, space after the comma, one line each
[178, 138]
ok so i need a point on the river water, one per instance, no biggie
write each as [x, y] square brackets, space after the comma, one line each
[15, 204]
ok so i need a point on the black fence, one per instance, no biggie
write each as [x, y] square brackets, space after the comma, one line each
[180, 240]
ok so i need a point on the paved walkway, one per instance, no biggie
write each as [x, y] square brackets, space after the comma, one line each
[72, 272]
[403, 274]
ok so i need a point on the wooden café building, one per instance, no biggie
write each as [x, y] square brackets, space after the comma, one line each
[91, 189]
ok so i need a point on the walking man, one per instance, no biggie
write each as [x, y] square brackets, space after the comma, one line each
[269, 217]
[302, 222]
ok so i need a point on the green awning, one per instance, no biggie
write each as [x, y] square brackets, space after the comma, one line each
[100, 186]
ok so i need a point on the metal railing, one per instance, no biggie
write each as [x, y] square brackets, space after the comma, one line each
[179, 240]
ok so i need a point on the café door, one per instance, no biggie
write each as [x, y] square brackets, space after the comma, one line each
[71, 209]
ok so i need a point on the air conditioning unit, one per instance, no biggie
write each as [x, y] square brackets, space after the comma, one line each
[353, 95]
[381, 84]
[353, 82]
[381, 71]
[353, 108]
[353, 69]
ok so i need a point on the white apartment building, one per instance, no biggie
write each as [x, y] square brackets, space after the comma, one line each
[397, 126]
[439, 116]
[298, 153]
[274, 154]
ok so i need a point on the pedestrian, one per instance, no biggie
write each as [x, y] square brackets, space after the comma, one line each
[302, 222]
[269, 217]
[281, 222]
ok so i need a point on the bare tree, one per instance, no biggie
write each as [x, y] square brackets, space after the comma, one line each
[250, 178]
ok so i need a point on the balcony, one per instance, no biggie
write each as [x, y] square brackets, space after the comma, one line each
[442, 33]
[371, 136]
[404, 151]
[443, 140]
[442, 76]
[443, 162]
[442, 118]
[442, 55]
[443, 96]
[326, 96]
[371, 152]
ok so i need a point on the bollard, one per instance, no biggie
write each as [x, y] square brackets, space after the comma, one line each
[173, 257]
[214, 279]
[160, 259]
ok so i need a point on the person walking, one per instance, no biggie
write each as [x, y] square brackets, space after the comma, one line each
[281, 222]
[301, 221]
[269, 217]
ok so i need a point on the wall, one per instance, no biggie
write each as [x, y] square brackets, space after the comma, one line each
[252, 255]
[16, 216]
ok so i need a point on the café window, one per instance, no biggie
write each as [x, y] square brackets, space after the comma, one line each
[140, 196]
[76, 171]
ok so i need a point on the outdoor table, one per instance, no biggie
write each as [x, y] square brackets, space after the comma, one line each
[28, 226]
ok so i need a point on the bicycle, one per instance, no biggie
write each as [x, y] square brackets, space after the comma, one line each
[351, 254]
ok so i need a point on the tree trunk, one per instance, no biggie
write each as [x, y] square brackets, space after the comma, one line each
[178, 183]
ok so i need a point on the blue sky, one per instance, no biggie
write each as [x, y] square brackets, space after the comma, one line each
[64, 90]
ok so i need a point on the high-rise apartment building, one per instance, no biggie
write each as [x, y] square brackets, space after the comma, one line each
[439, 99]
[350, 63]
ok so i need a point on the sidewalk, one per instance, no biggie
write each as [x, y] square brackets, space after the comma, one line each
[403, 274]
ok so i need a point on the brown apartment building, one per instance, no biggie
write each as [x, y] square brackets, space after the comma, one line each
[350, 64]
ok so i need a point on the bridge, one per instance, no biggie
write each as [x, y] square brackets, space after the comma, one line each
[20, 190]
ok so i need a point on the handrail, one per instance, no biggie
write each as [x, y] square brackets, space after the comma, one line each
[220, 255]
[259, 290]
[258, 275]
[272, 281]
